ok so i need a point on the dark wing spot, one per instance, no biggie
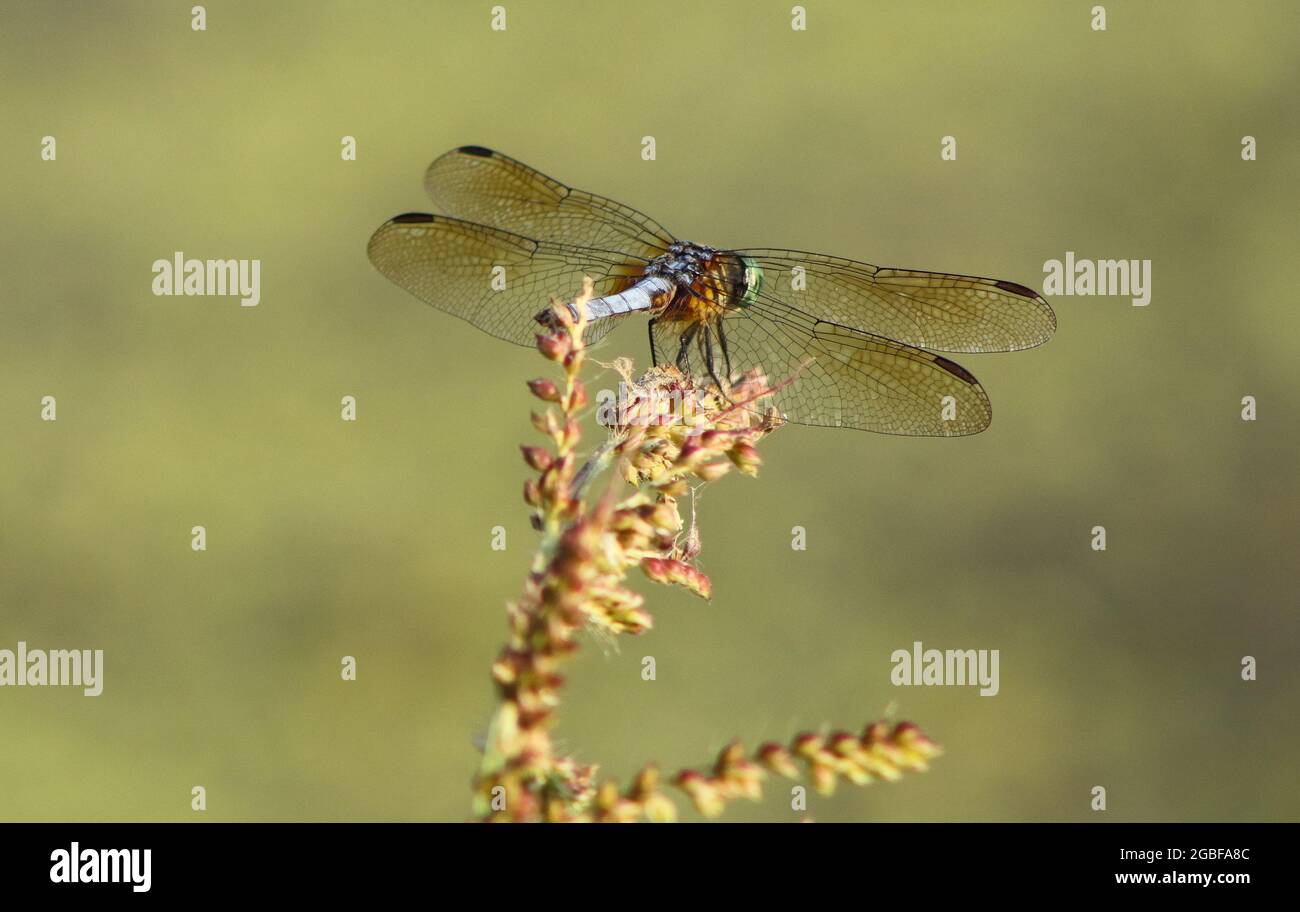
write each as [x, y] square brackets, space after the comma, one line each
[1017, 289]
[412, 218]
[480, 151]
[956, 370]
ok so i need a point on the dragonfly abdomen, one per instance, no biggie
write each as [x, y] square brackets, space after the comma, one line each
[644, 295]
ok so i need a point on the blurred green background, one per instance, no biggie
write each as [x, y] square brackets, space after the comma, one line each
[371, 539]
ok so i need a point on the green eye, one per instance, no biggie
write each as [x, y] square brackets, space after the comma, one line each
[753, 281]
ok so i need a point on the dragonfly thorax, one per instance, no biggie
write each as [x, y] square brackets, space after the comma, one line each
[683, 264]
[687, 284]
[706, 282]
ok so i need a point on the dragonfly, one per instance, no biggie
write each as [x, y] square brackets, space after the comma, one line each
[844, 343]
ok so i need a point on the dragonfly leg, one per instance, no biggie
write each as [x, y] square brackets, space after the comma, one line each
[709, 362]
[684, 351]
[654, 357]
[722, 343]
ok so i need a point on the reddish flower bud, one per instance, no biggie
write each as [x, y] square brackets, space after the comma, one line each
[544, 389]
[690, 447]
[578, 399]
[553, 347]
[778, 760]
[664, 570]
[745, 456]
[544, 423]
[675, 488]
[537, 457]
[712, 471]
[807, 744]
[532, 493]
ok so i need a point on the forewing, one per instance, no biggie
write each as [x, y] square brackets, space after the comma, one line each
[449, 263]
[493, 189]
[934, 310]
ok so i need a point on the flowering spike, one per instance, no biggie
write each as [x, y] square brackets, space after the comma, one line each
[668, 438]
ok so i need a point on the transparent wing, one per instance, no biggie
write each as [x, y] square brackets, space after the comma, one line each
[842, 377]
[935, 310]
[452, 265]
[484, 186]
